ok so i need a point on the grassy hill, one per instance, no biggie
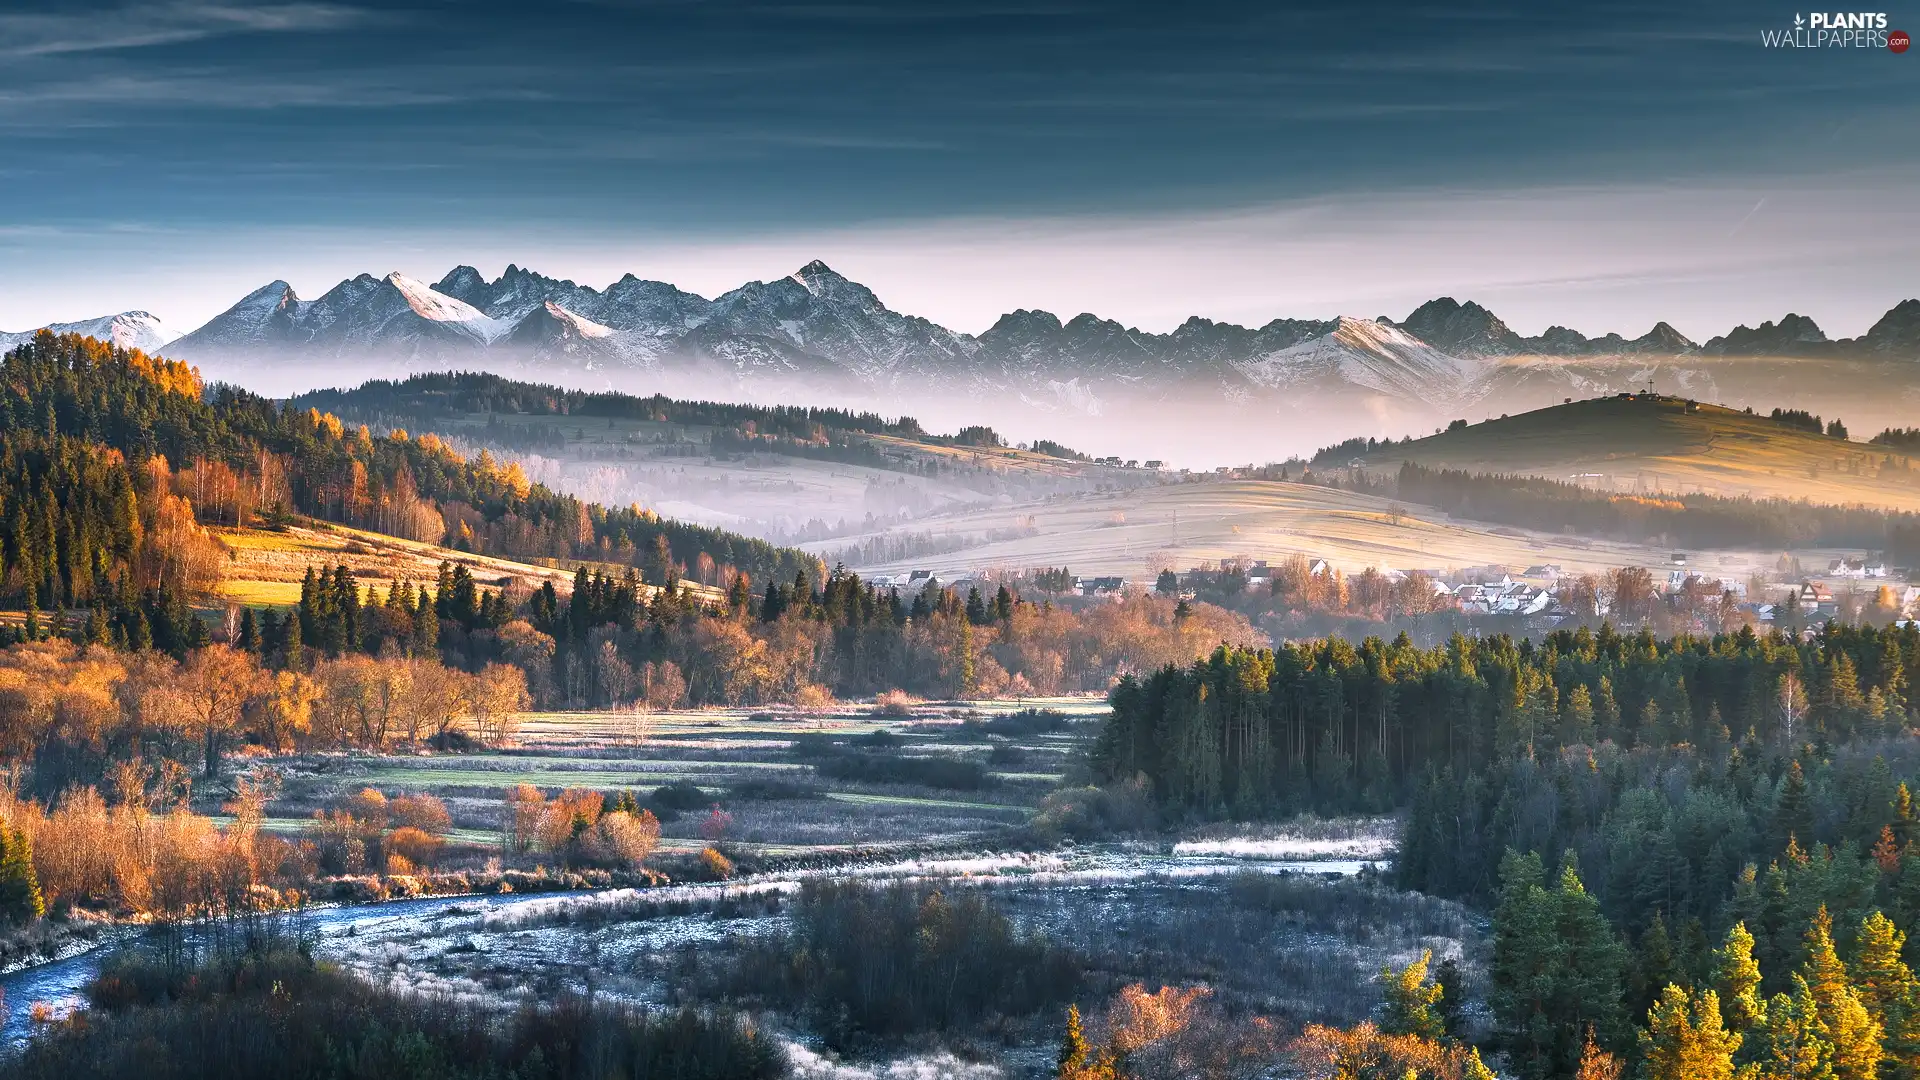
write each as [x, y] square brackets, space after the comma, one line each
[1646, 444]
[780, 473]
[265, 567]
[1134, 533]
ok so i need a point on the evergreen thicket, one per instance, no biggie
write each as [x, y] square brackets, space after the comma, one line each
[82, 422]
[1332, 727]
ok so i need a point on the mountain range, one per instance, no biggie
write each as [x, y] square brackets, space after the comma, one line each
[129, 330]
[816, 327]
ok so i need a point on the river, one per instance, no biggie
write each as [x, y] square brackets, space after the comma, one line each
[353, 932]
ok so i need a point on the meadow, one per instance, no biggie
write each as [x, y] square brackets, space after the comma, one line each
[1137, 533]
[265, 566]
[1661, 444]
[930, 774]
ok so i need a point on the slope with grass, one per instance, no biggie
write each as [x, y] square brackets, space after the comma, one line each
[1136, 533]
[1646, 444]
[265, 567]
[773, 471]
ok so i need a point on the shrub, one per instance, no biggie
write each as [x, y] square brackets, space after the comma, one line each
[680, 796]
[1006, 754]
[954, 774]
[416, 846]
[424, 812]
[897, 959]
[1022, 724]
[367, 806]
[715, 866]
[1089, 813]
[878, 739]
[773, 790]
[894, 703]
[265, 1013]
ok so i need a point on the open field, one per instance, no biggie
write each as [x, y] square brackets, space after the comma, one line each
[266, 567]
[1136, 533]
[1658, 444]
[675, 469]
[764, 769]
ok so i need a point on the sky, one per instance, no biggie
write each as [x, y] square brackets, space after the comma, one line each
[1600, 166]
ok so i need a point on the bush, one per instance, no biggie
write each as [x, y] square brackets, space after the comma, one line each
[669, 801]
[1006, 754]
[809, 747]
[1091, 813]
[417, 846]
[898, 959]
[423, 812]
[894, 703]
[1022, 724]
[773, 790]
[715, 866]
[269, 1015]
[954, 774]
[878, 739]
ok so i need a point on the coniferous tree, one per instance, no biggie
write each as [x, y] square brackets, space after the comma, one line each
[1887, 989]
[1684, 1038]
[1798, 1045]
[1736, 979]
[20, 897]
[1412, 1001]
[1855, 1034]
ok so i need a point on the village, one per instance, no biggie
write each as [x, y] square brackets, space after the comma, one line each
[1535, 599]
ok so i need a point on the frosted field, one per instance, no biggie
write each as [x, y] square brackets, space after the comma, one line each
[752, 762]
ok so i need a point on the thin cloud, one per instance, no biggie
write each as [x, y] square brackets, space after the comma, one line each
[43, 34]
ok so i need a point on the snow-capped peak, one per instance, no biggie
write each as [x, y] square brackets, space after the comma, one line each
[441, 308]
[127, 330]
[1367, 353]
[581, 325]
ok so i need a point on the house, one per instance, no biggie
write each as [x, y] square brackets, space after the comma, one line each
[1102, 586]
[1678, 558]
[1548, 570]
[1156, 463]
[1857, 569]
[1815, 596]
[1473, 599]
[1319, 568]
[1907, 597]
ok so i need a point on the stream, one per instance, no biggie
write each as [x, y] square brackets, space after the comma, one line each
[354, 930]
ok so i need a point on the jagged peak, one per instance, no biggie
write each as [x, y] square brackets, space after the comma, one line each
[1024, 319]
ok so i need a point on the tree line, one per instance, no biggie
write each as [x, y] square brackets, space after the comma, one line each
[1332, 726]
[237, 457]
[1687, 520]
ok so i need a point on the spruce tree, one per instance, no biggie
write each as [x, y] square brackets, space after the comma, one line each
[1798, 1045]
[1887, 988]
[1411, 1005]
[1855, 1034]
[1684, 1039]
[1736, 979]
[20, 898]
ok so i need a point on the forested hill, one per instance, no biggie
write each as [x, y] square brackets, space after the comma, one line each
[424, 400]
[103, 450]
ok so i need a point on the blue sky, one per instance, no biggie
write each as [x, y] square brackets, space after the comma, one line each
[1601, 165]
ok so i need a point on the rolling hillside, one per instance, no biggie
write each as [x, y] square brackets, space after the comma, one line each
[1650, 444]
[1181, 525]
[780, 473]
[265, 567]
